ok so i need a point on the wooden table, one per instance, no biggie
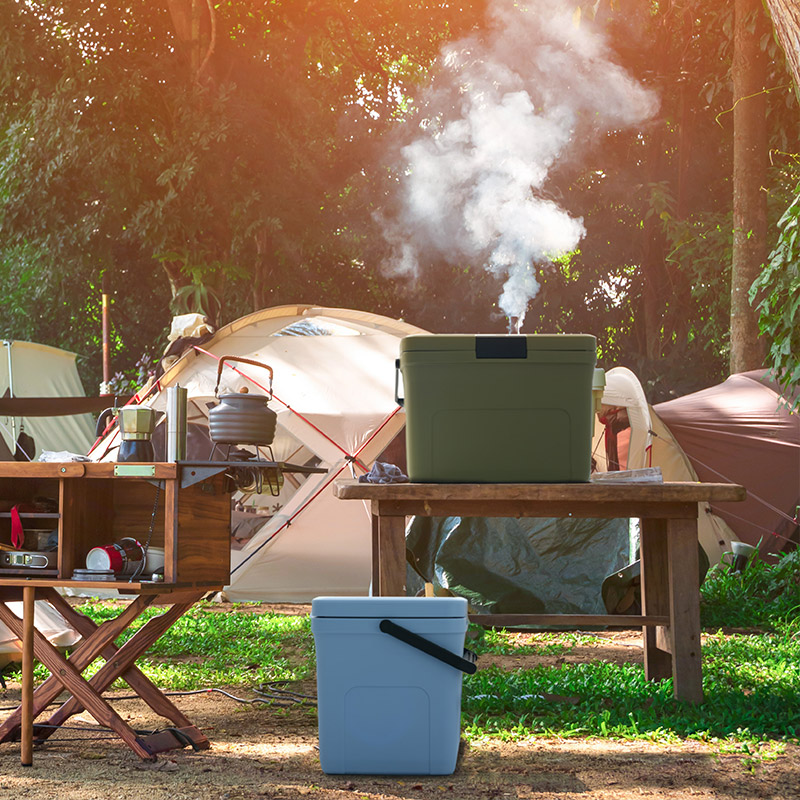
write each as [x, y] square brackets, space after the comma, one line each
[182, 508]
[670, 618]
[97, 641]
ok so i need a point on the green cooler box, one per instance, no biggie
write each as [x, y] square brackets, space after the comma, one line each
[498, 409]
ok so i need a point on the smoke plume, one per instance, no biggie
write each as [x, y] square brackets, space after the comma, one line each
[502, 110]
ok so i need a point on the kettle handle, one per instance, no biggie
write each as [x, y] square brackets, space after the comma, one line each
[243, 361]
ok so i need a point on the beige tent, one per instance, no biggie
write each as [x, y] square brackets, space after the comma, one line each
[334, 396]
[29, 370]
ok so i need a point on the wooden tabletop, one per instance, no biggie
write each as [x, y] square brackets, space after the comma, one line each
[676, 492]
[107, 469]
[79, 469]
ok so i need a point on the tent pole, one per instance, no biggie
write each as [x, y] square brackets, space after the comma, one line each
[7, 344]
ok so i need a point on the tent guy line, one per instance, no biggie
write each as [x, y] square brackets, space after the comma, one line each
[336, 367]
[322, 433]
[750, 492]
[726, 479]
[761, 527]
[350, 460]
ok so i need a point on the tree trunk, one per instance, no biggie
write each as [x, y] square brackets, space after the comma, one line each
[749, 178]
[194, 24]
[786, 19]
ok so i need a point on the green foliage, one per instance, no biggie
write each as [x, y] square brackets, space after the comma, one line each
[507, 643]
[652, 274]
[197, 299]
[776, 294]
[247, 171]
[233, 166]
[63, 309]
[124, 384]
[206, 647]
[762, 595]
[750, 685]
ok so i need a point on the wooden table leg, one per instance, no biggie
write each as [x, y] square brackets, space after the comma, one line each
[392, 556]
[28, 610]
[122, 661]
[72, 680]
[94, 643]
[119, 663]
[376, 557]
[684, 610]
[133, 676]
[653, 552]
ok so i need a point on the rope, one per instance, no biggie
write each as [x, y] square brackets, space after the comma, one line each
[325, 485]
[755, 525]
[750, 493]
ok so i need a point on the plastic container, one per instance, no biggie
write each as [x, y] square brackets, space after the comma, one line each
[498, 409]
[386, 707]
[154, 560]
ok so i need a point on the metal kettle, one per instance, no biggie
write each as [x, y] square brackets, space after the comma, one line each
[242, 418]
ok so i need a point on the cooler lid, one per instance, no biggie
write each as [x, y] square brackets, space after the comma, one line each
[468, 342]
[394, 607]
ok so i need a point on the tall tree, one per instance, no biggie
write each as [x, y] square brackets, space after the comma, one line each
[786, 19]
[777, 289]
[749, 73]
[223, 142]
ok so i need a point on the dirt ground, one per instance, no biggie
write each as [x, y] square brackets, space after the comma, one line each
[261, 751]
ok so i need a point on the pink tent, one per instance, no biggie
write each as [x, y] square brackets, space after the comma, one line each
[741, 432]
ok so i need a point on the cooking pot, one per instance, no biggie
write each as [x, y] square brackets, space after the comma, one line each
[242, 418]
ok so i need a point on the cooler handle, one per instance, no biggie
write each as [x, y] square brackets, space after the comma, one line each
[465, 664]
[399, 400]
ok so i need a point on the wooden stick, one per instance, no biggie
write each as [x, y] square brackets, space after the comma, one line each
[28, 607]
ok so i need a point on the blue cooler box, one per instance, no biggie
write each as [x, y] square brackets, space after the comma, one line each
[389, 683]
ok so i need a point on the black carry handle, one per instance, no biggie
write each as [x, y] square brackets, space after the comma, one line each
[401, 401]
[466, 664]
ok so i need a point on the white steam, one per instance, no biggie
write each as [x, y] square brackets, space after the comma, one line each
[500, 114]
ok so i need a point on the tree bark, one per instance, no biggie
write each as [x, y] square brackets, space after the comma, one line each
[749, 178]
[786, 20]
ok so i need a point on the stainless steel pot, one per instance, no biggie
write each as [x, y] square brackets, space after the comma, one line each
[242, 418]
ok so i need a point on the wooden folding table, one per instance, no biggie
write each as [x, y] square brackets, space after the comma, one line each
[670, 618]
[65, 673]
[184, 509]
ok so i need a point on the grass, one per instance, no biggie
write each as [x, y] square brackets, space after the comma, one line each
[207, 648]
[765, 596]
[751, 676]
[751, 683]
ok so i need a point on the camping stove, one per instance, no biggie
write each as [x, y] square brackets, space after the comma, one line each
[254, 473]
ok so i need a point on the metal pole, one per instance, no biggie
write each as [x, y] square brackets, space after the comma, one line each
[106, 336]
[7, 344]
